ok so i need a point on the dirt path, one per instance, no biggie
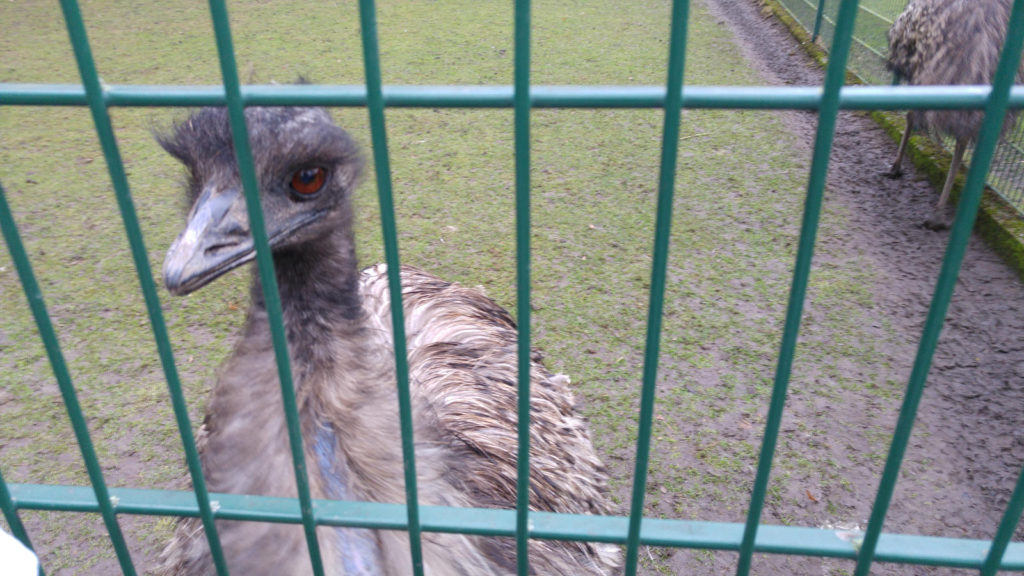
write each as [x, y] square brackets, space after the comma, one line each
[848, 378]
[968, 442]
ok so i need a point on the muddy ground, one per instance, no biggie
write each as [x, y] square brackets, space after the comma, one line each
[968, 442]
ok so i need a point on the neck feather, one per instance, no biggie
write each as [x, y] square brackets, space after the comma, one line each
[343, 374]
[319, 286]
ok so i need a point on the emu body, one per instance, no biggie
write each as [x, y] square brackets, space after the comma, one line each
[462, 360]
[943, 42]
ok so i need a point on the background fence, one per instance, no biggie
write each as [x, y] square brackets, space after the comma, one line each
[867, 61]
[632, 531]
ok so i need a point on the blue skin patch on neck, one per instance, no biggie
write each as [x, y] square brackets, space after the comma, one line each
[357, 547]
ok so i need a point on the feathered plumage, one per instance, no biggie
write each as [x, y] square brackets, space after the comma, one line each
[462, 359]
[947, 42]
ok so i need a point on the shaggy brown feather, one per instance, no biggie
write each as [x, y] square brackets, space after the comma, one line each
[462, 361]
[949, 42]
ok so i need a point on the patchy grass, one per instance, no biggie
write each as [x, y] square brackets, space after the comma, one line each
[738, 200]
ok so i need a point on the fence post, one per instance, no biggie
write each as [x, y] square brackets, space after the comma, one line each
[817, 20]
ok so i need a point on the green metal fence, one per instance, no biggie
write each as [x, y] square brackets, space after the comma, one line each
[869, 47]
[632, 531]
[868, 53]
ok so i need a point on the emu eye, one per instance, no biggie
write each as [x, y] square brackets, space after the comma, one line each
[308, 181]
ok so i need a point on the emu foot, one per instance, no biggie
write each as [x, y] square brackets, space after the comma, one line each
[936, 222]
[893, 173]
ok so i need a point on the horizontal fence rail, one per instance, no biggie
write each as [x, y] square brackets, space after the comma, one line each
[796, 540]
[633, 530]
[711, 97]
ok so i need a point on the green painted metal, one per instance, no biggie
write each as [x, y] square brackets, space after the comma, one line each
[13, 520]
[793, 540]
[63, 376]
[967, 211]
[817, 20]
[52, 345]
[716, 97]
[378, 130]
[108, 141]
[747, 538]
[662, 234]
[1007, 526]
[264, 260]
[521, 120]
[834, 78]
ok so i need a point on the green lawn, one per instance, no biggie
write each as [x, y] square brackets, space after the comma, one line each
[739, 196]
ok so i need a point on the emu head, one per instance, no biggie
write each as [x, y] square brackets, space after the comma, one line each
[306, 169]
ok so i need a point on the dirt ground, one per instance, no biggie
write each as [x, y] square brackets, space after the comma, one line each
[968, 443]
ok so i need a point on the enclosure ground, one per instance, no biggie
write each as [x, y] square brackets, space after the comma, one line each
[968, 444]
[739, 195]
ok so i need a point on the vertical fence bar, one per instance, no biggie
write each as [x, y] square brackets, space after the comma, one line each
[521, 103]
[995, 110]
[834, 78]
[1007, 526]
[11, 515]
[818, 16]
[63, 376]
[967, 211]
[662, 235]
[264, 260]
[382, 164]
[115, 167]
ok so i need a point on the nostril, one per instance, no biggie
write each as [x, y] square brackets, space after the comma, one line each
[220, 247]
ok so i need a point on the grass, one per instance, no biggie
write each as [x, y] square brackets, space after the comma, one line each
[739, 193]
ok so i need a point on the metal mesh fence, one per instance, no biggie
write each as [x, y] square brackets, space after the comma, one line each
[867, 62]
[632, 530]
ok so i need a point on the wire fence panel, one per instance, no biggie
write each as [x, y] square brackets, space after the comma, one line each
[850, 42]
[867, 58]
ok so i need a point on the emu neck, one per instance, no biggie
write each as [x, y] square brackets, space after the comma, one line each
[341, 397]
[319, 287]
[344, 378]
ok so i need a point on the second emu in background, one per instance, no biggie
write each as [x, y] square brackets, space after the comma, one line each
[943, 42]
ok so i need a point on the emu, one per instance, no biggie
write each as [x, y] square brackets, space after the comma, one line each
[947, 42]
[462, 361]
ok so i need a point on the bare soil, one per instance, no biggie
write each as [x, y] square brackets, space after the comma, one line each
[968, 443]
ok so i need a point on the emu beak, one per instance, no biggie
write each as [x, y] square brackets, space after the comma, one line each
[215, 241]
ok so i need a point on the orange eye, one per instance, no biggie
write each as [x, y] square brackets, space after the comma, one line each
[309, 180]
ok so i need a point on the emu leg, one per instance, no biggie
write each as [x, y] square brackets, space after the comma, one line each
[897, 165]
[938, 220]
